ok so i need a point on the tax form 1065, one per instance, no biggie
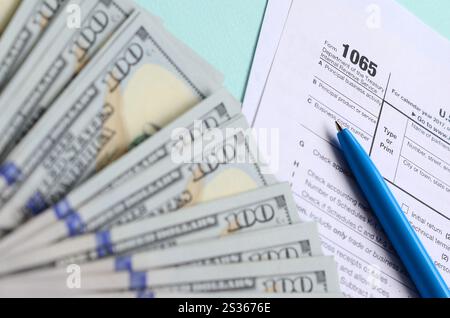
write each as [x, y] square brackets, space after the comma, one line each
[385, 76]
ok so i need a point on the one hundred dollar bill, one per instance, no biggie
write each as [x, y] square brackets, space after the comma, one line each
[7, 9]
[285, 242]
[59, 56]
[29, 23]
[263, 208]
[135, 86]
[233, 168]
[295, 276]
[214, 112]
[148, 294]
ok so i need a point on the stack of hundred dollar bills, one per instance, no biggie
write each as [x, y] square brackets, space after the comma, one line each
[128, 171]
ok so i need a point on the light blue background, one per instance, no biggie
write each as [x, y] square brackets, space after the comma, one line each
[225, 32]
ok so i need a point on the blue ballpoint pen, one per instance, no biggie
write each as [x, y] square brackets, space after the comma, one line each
[403, 238]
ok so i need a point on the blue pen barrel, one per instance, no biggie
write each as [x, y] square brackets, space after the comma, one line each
[402, 236]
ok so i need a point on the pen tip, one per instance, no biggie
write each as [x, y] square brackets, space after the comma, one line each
[339, 127]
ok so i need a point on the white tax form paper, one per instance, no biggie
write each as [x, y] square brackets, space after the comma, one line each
[384, 75]
[271, 31]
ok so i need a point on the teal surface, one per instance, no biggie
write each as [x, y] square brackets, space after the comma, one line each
[225, 32]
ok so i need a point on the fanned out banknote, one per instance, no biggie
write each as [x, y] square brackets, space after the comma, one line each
[60, 56]
[136, 85]
[26, 28]
[148, 294]
[297, 276]
[220, 295]
[128, 171]
[165, 188]
[215, 112]
[259, 209]
[286, 242]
